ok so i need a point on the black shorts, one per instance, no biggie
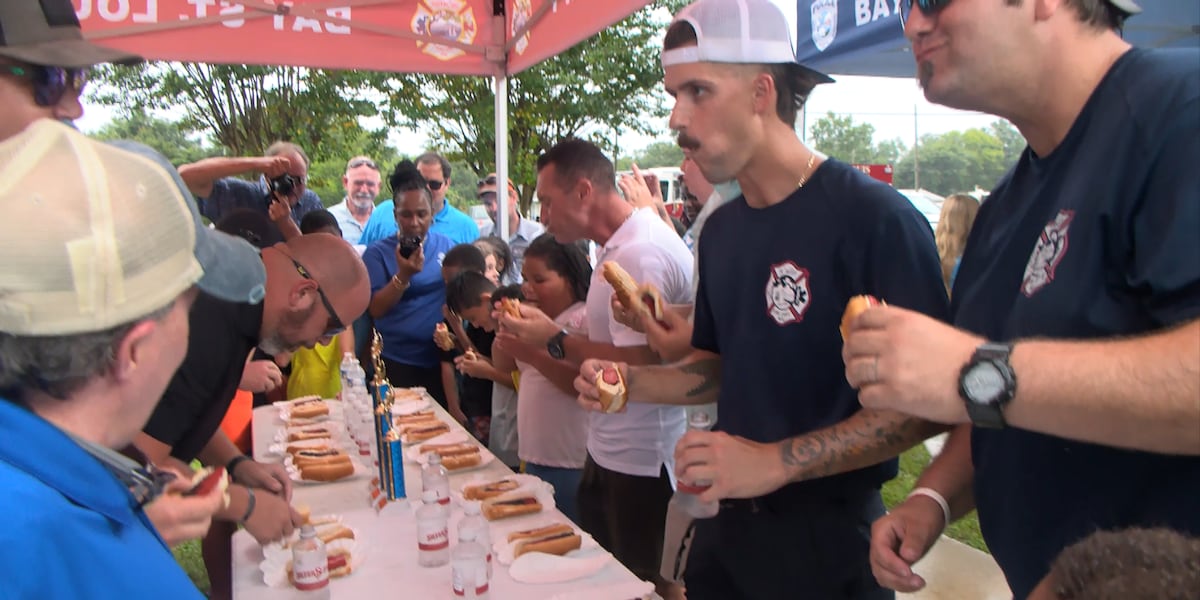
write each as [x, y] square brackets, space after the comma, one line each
[626, 514]
[789, 547]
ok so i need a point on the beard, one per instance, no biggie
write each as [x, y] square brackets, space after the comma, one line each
[362, 202]
[286, 337]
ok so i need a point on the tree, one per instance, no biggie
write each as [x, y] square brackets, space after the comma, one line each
[956, 161]
[660, 154]
[170, 138]
[246, 108]
[602, 84]
[1011, 139]
[847, 141]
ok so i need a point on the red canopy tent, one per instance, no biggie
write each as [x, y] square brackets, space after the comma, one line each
[493, 38]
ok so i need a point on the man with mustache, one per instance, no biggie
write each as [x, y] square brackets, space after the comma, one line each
[361, 182]
[797, 464]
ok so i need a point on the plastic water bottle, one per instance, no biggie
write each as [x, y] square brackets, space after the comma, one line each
[433, 532]
[468, 567]
[474, 521]
[310, 564]
[685, 493]
[434, 478]
[348, 362]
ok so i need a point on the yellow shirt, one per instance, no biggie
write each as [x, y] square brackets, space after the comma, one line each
[316, 372]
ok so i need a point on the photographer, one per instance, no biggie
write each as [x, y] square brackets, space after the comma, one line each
[280, 193]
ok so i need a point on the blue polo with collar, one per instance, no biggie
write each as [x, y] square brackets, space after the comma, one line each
[450, 222]
[73, 530]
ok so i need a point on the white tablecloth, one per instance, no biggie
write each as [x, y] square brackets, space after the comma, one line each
[388, 540]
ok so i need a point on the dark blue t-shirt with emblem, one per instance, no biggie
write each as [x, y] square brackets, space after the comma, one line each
[774, 283]
[1099, 239]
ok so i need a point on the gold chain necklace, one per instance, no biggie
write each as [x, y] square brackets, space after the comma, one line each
[808, 169]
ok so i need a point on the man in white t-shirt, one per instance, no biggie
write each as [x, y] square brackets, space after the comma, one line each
[627, 478]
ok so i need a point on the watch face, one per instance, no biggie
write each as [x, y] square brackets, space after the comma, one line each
[983, 383]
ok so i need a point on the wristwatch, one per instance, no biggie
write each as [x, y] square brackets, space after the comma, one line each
[987, 383]
[555, 346]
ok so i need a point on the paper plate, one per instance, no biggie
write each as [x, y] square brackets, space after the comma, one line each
[341, 442]
[412, 453]
[537, 567]
[283, 547]
[503, 549]
[525, 483]
[408, 407]
[335, 414]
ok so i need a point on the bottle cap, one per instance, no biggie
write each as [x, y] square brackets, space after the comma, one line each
[699, 420]
[435, 458]
[307, 531]
[471, 508]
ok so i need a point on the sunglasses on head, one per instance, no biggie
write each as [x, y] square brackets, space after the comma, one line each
[361, 162]
[489, 180]
[49, 83]
[929, 7]
[335, 325]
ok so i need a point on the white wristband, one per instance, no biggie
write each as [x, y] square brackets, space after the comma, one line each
[936, 497]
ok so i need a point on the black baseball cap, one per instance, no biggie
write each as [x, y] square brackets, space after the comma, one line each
[47, 33]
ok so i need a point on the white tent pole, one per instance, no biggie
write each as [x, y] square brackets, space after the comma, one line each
[502, 156]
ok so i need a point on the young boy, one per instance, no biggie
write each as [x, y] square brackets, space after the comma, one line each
[468, 399]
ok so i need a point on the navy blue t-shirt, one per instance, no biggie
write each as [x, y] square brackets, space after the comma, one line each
[1099, 239]
[774, 283]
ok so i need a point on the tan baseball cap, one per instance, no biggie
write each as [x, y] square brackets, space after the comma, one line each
[92, 236]
[47, 33]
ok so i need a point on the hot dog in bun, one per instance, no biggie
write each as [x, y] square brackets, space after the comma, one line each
[326, 471]
[442, 337]
[309, 408]
[612, 389]
[503, 508]
[622, 283]
[208, 480]
[511, 307]
[489, 490]
[456, 462]
[558, 544]
[855, 307]
[650, 303]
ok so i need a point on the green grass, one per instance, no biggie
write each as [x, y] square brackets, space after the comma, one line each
[965, 530]
[188, 555]
[912, 463]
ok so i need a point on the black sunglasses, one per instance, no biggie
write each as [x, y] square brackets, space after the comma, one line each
[434, 184]
[336, 325]
[489, 180]
[50, 83]
[929, 7]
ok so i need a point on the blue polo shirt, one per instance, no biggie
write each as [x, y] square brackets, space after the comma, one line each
[407, 328]
[1099, 239]
[449, 221]
[230, 193]
[774, 283]
[71, 529]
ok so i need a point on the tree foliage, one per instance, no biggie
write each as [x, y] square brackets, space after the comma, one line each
[603, 84]
[170, 138]
[844, 139]
[246, 108]
[956, 161]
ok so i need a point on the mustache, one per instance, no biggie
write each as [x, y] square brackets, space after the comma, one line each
[687, 142]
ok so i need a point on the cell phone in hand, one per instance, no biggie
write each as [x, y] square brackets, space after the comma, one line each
[409, 245]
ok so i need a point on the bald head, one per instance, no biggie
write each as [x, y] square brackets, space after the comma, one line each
[339, 270]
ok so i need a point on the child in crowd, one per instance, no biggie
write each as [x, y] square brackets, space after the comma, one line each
[468, 399]
[552, 426]
[498, 257]
[316, 370]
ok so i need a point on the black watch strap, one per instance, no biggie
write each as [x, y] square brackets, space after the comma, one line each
[234, 462]
[555, 348]
[989, 412]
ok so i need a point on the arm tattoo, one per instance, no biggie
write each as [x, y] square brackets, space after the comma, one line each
[867, 438]
[709, 370]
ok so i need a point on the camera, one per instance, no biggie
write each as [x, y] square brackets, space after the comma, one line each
[408, 245]
[283, 185]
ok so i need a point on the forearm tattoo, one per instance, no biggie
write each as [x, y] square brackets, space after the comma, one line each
[867, 438]
[709, 370]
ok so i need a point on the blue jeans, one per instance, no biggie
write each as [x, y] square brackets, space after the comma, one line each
[566, 486]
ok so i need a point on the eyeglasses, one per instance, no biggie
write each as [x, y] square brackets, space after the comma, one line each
[434, 184]
[487, 197]
[336, 325]
[362, 162]
[50, 83]
[929, 7]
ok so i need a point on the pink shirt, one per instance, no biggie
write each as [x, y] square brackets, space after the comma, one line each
[551, 426]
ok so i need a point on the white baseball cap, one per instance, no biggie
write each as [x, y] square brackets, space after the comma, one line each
[740, 32]
[92, 236]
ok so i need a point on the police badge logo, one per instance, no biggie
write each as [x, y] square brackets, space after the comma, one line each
[787, 293]
[1049, 251]
[824, 23]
